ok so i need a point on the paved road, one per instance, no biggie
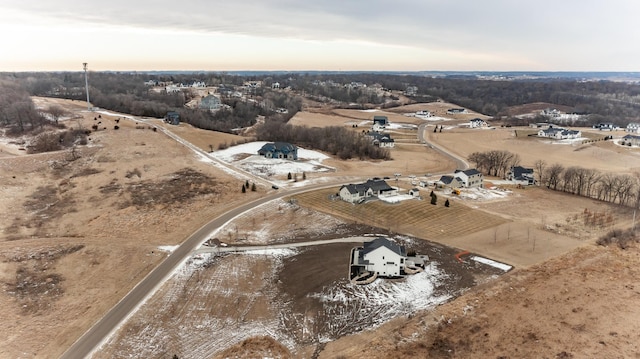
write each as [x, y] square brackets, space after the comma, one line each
[232, 249]
[461, 164]
[103, 329]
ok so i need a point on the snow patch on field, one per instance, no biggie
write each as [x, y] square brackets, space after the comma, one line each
[357, 307]
[483, 194]
[167, 248]
[504, 267]
[245, 157]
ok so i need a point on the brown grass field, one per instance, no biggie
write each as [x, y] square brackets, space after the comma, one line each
[76, 235]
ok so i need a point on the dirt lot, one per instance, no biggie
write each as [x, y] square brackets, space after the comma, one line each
[78, 233]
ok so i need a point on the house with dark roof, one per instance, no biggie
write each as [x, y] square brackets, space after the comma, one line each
[172, 118]
[381, 121]
[450, 181]
[454, 111]
[630, 140]
[383, 258]
[520, 175]
[360, 192]
[470, 178]
[478, 123]
[282, 150]
[381, 139]
[559, 133]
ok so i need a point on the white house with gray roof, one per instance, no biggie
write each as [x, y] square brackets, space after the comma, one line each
[470, 178]
[358, 193]
[382, 257]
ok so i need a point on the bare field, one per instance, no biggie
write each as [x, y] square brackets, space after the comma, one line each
[603, 156]
[78, 234]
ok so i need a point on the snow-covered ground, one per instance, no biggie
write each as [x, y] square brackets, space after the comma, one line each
[483, 194]
[397, 198]
[245, 156]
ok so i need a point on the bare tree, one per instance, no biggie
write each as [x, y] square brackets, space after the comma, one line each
[553, 175]
[540, 166]
[55, 112]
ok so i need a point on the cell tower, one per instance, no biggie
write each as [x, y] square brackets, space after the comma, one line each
[86, 84]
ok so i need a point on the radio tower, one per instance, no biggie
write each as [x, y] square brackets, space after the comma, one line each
[86, 84]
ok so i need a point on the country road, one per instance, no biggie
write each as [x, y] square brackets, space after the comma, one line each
[461, 164]
[233, 249]
[108, 324]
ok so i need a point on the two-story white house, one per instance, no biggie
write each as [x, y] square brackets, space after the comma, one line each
[633, 127]
[470, 178]
[384, 258]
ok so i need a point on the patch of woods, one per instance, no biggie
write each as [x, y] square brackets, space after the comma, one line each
[338, 141]
[617, 188]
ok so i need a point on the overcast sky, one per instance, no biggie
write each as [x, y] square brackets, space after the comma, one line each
[403, 35]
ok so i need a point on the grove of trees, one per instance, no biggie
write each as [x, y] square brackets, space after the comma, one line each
[618, 188]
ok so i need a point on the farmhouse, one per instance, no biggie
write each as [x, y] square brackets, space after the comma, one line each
[605, 126]
[633, 127]
[411, 91]
[279, 150]
[172, 118]
[381, 139]
[630, 140]
[520, 175]
[358, 193]
[383, 258]
[478, 123]
[210, 102]
[470, 178]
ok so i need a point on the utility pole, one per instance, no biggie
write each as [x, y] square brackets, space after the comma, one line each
[86, 84]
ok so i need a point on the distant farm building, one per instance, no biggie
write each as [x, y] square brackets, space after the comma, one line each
[411, 91]
[382, 258]
[520, 175]
[358, 193]
[423, 113]
[279, 150]
[630, 140]
[455, 111]
[172, 118]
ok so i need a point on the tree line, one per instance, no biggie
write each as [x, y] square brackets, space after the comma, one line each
[338, 141]
[618, 188]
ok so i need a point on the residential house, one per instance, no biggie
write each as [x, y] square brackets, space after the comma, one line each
[210, 102]
[521, 175]
[630, 140]
[381, 121]
[450, 181]
[550, 112]
[381, 139]
[454, 111]
[282, 150]
[470, 178]
[633, 127]
[423, 113]
[172, 118]
[559, 133]
[411, 91]
[605, 126]
[384, 258]
[275, 85]
[478, 123]
[358, 193]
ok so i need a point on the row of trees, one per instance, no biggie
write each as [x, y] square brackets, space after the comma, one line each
[338, 141]
[495, 162]
[619, 188]
[623, 189]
